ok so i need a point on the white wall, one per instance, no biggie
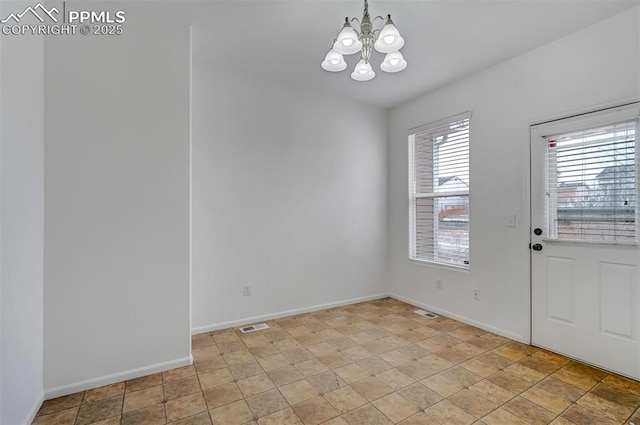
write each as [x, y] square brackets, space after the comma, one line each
[117, 201]
[22, 219]
[289, 196]
[593, 67]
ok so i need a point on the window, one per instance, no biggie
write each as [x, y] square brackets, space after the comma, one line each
[591, 184]
[439, 192]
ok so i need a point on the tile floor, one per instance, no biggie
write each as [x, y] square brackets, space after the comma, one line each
[373, 363]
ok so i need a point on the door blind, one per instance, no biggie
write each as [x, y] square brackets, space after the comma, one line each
[592, 184]
[439, 192]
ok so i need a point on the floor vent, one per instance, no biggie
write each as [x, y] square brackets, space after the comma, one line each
[253, 328]
[426, 314]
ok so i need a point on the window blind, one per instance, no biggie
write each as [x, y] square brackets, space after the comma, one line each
[592, 184]
[439, 191]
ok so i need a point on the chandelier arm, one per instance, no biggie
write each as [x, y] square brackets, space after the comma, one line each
[379, 17]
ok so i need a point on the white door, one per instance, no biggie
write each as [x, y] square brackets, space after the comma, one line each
[584, 233]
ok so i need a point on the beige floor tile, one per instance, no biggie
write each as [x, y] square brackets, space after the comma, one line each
[315, 411]
[99, 410]
[215, 378]
[103, 392]
[420, 395]
[298, 391]
[222, 394]
[115, 420]
[352, 373]
[326, 382]
[395, 407]
[561, 389]
[283, 417]
[442, 385]
[181, 388]
[143, 382]
[275, 361]
[366, 415]
[245, 370]
[204, 353]
[479, 368]
[502, 417]
[395, 379]
[372, 388]
[311, 367]
[298, 355]
[575, 378]
[335, 360]
[177, 374]
[150, 415]
[238, 357]
[345, 399]
[61, 403]
[237, 413]
[616, 394]
[185, 406]
[267, 403]
[321, 349]
[60, 417]
[143, 398]
[418, 369]
[606, 408]
[202, 340]
[285, 375]
[255, 385]
[208, 365]
[529, 411]
[510, 381]
[419, 419]
[492, 392]
[448, 413]
[525, 373]
[199, 419]
[473, 403]
[396, 357]
[336, 421]
[579, 415]
[549, 401]
[231, 346]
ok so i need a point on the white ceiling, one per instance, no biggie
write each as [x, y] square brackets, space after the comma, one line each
[445, 40]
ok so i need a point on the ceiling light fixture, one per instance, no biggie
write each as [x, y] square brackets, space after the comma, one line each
[349, 41]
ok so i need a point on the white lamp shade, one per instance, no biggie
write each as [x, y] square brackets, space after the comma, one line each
[363, 71]
[389, 39]
[393, 62]
[334, 62]
[347, 42]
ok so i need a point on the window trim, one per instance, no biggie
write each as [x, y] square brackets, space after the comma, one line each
[592, 119]
[413, 196]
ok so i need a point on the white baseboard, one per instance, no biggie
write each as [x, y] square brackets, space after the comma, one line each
[463, 319]
[278, 315]
[34, 410]
[116, 377]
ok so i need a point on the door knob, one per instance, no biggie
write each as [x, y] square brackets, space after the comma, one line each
[537, 247]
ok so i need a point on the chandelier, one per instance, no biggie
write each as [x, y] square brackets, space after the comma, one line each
[349, 41]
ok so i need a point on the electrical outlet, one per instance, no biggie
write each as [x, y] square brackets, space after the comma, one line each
[476, 294]
[247, 290]
[439, 283]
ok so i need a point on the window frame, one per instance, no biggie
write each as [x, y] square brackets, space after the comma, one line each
[414, 196]
[549, 131]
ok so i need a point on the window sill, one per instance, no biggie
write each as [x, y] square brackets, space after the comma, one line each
[445, 266]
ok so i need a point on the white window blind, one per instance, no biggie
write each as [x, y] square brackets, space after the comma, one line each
[439, 192]
[592, 184]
